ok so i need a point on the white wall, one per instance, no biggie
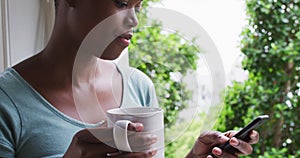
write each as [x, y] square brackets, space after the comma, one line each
[19, 30]
[23, 22]
[1, 44]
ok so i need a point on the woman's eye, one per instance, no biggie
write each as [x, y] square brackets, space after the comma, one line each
[120, 3]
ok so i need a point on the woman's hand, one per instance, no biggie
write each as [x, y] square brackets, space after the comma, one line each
[98, 142]
[207, 143]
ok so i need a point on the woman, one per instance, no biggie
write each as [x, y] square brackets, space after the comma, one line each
[50, 103]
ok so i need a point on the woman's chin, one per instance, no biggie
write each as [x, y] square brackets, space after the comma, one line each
[110, 56]
[114, 50]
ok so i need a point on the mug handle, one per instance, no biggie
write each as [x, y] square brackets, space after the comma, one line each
[120, 135]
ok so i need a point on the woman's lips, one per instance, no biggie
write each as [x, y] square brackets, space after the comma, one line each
[125, 39]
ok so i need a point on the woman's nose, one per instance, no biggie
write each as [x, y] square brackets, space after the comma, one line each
[131, 18]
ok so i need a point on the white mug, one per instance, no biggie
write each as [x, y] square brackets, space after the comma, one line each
[151, 118]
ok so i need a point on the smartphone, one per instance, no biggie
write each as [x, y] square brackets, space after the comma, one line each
[243, 134]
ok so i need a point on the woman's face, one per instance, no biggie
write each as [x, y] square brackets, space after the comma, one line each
[113, 21]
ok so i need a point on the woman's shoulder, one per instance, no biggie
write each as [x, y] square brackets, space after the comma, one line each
[138, 86]
[9, 88]
[7, 77]
[11, 83]
[134, 75]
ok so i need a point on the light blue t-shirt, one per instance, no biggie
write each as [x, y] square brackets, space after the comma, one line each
[30, 127]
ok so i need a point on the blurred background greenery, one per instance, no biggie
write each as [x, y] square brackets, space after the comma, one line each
[270, 44]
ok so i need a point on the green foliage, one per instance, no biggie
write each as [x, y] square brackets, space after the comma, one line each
[271, 45]
[278, 153]
[186, 138]
[166, 57]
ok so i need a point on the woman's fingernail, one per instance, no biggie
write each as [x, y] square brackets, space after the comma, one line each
[139, 127]
[152, 151]
[234, 141]
[253, 135]
[217, 151]
[153, 138]
[223, 138]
